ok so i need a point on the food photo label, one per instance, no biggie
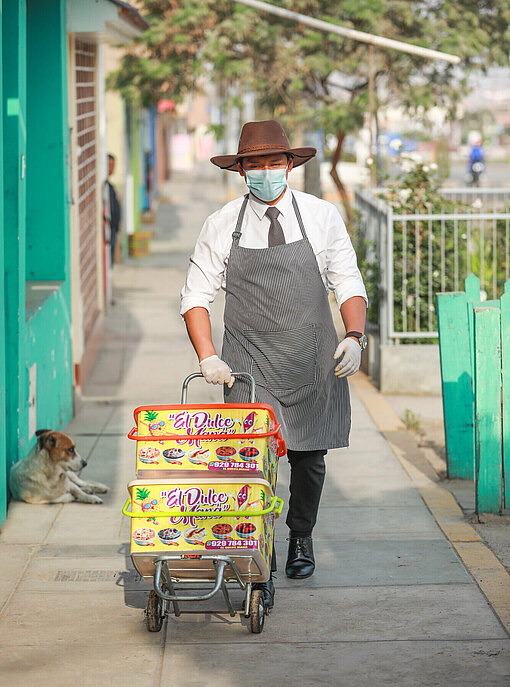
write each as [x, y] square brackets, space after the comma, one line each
[257, 455]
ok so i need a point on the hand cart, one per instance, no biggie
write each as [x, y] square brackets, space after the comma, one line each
[223, 559]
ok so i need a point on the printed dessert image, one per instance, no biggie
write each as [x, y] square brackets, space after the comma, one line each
[144, 536]
[222, 530]
[198, 456]
[173, 455]
[225, 452]
[245, 530]
[148, 454]
[169, 535]
[194, 535]
[242, 497]
[249, 452]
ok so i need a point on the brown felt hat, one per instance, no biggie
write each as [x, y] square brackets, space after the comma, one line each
[263, 138]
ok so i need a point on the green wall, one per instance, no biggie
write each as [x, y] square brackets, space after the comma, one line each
[48, 316]
[35, 231]
[49, 347]
[3, 467]
[14, 149]
[47, 216]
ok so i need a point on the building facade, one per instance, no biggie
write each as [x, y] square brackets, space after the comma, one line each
[53, 154]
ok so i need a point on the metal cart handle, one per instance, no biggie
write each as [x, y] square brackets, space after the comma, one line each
[276, 505]
[184, 394]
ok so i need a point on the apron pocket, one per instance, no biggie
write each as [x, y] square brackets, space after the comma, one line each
[283, 360]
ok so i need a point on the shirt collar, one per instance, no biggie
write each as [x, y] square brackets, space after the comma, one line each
[283, 204]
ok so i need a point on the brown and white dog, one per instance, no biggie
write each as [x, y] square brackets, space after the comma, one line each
[49, 473]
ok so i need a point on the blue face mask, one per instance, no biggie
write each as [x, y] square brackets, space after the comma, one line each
[266, 184]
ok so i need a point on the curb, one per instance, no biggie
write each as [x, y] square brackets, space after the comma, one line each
[485, 568]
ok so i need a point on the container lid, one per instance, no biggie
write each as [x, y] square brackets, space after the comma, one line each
[134, 434]
[205, 406]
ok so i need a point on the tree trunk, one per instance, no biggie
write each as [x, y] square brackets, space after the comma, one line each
[313, 177]
[338, 183]
[312, 172]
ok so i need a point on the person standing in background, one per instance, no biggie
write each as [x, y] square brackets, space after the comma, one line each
[112, 212]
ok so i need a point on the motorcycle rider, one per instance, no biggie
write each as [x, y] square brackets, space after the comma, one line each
[476, 163]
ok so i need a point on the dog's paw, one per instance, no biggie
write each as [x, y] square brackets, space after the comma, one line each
[94, 499]
[100, 488]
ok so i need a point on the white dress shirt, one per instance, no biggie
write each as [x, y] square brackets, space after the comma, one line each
[324, 227]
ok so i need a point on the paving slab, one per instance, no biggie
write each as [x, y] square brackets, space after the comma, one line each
[60, 573]
[85, 550]
[14, 561]
[381, 562]
[90, 419]
[111, 617]
[121, 421]
[372, 523]
[367, 492]
[354, 614]
[27, 523]
[347, 485]
[74, 663]
[112, 461]
[88, 522]
[378, 464]
[356, 664]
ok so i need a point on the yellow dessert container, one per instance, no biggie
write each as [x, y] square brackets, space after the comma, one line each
[231, 516]
[207, 441]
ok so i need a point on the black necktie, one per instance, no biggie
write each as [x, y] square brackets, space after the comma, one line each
[275, 236]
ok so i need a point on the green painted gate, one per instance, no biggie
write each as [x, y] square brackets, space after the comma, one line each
[474, 344]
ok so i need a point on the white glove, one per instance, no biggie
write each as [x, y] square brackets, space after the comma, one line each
[216, 371]
[349, 352]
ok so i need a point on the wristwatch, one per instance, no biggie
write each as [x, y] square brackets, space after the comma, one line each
[362, 339]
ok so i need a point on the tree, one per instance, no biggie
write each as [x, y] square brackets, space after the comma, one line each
[310, 78]
[307, 75]
[167, 59]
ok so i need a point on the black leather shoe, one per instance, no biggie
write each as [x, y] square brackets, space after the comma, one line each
[267, 589]
[300, 561]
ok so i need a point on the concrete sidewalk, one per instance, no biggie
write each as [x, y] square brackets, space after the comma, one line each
[391, 602]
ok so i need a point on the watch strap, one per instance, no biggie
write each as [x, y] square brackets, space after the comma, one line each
[358, 335]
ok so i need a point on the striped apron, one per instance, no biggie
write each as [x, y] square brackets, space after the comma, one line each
[279, 327]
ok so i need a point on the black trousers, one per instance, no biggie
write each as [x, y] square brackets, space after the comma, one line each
[307, 473]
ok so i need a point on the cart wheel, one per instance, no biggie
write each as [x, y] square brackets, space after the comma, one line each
[256, 611]
[154, 612]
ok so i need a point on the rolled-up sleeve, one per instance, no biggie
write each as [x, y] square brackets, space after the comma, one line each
[205, 270]
[343, 275]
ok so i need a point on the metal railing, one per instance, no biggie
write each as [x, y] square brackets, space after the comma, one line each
[419, 255]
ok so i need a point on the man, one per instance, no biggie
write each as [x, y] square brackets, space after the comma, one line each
[277, 253]
[111, 211]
